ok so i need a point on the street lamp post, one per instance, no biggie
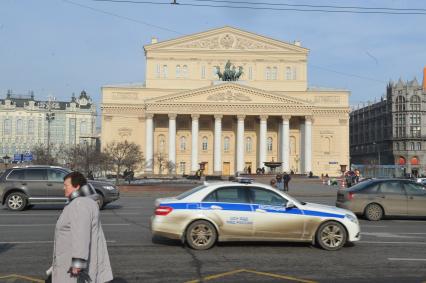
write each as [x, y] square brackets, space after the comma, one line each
[50, 116]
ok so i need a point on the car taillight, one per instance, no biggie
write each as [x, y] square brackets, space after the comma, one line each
[163, 210]
[351, 195]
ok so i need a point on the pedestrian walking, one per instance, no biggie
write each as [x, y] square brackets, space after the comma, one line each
[80, 252]
[280, 182]
[286, 178]
[273, 183]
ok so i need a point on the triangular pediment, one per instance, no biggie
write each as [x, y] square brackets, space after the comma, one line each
[227, 93]
[226, 39]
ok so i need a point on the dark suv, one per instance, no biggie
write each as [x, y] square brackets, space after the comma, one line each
[22, 187]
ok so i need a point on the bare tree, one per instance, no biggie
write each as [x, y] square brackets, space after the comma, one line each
[123, 154]
[43, 156]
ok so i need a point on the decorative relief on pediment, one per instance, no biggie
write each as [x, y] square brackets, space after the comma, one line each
[228, 96]
[226, 41]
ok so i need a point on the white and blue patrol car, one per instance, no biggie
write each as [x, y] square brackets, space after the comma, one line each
[246, 211]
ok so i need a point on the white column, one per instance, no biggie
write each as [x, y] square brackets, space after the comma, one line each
[285, 143]
[194, 143]
[149, 146]
[308, 144]
[217, 166]
[240, 143]
[172, 142]
[262, 140]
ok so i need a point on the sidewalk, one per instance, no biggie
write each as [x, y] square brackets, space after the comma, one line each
[298, 187]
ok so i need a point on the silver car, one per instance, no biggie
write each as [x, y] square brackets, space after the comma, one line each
[377, 198]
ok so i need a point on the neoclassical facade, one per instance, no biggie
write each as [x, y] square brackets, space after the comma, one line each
[184, 116]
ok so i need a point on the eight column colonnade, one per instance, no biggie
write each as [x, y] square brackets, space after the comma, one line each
[306, 131]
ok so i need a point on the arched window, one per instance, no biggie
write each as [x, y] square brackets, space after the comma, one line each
[419, 146]
[400, 103]
[249, 145]
[19, 127]
[7, 126]
[269, 144]
[274, 74]
[185, 71]
[161, 143]
[205, 143]
[226, 144]
[415, 103]
[182, 144]
[31, 127]
[414, 161]
[411, 146]
[178, 74]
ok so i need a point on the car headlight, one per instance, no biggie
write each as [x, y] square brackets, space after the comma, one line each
[109, 188]
[352, 218]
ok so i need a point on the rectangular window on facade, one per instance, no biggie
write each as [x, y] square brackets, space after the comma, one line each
[7, 126]
[203, 72]
[30, 127]
[165, 71]
[157, 71]
[182, 167]
[250, 73]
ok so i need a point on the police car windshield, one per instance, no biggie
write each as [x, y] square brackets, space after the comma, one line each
[190, 192]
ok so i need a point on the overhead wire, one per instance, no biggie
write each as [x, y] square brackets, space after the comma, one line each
[377, 11]
[167, 29]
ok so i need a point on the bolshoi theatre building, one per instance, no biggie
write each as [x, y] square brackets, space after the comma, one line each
[184, 115]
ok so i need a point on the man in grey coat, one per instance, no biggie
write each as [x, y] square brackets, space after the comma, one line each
[80, 249]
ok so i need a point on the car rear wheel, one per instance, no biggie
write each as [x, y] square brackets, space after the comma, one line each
[16, 201]
[201, 235]
[373, 212]
[331, 236]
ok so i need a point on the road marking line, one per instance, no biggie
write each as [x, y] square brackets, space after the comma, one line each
[38, 242]
[215, 276]
[407, 259]
[374, 242]
[41, 225]
[22, 277]
[56, 214]
[281, 276]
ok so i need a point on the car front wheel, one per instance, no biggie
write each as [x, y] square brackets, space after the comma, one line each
[201, 235]
[16, 201]
[331, 236]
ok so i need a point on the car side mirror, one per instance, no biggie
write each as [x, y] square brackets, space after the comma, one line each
[290, 205]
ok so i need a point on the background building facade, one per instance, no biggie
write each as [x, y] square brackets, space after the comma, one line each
[24, 122]
[392, 131]
[184, 115]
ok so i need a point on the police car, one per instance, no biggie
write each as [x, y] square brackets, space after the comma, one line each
[247, 211]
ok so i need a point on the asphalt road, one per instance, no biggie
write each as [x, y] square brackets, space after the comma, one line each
[392, 250]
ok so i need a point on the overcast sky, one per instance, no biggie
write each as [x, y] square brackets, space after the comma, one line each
[57, 47]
